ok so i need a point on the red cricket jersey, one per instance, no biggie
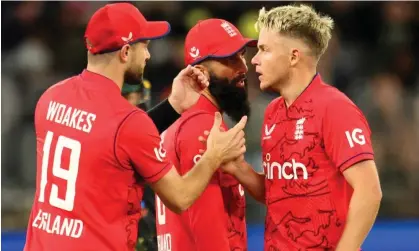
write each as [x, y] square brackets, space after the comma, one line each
[91, 153]
[305, 148]
[216, 221]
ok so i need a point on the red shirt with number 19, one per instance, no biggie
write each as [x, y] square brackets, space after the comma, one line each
[94, 151]
[306, 148]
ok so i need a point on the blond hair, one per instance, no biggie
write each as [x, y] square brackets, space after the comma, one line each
[298, 21]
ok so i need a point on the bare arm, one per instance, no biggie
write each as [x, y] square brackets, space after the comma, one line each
[179, 192]
[364, 204]
[251, 180]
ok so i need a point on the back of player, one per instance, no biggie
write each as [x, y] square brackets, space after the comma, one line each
[78, 205]
[216, 221]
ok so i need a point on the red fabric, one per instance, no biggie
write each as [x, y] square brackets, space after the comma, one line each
[216, 221]
[115, 25]
[213, 38]
[305, 149]
[89, 152]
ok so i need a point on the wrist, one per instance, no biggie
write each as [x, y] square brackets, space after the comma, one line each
[214, 157]
[235, 171]
[175, 106]
[242, 169]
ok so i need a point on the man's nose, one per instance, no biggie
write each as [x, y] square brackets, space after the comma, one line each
[255, 60]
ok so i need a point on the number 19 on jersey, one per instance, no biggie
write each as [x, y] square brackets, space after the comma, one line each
[68, 174]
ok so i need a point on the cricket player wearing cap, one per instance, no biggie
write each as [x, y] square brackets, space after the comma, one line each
[216, 221]
[95, 150]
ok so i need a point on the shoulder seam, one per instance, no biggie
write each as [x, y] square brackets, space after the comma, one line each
[116, 136]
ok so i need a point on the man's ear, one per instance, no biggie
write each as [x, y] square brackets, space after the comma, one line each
[203, 69]
[123, 53]
[295, 56]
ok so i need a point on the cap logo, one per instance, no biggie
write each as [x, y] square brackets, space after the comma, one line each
[194, 52]
[227, 27]
[127, 39]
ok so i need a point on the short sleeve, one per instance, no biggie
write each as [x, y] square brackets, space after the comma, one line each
[347, 136]
[138, 145]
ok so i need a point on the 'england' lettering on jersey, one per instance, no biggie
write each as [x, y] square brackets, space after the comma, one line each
[58, 225]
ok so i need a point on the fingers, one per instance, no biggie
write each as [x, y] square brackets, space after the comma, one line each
[243, 150]
[239, 138]
[202, 139]
[186, 71]
[200, 77]
[218, 119]
[206, 133]
[239, 126]
[242, 142]
[241, 145]
[196, 71]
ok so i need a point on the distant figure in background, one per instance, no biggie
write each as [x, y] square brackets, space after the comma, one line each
[139, 95]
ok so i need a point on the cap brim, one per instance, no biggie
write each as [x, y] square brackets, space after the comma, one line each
[229, 50]
[156, 30]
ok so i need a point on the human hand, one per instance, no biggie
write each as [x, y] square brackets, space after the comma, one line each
[186, 88]
[227, 145]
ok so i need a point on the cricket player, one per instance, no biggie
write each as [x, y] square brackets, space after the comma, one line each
[216, 221]
[95, 150]
[320, 182]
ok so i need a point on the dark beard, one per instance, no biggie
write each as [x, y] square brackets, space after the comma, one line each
[231, 99]
[131, 78]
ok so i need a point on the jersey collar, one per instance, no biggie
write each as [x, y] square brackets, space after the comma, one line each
[316, 81]
[204, 104]
[305, 94]
[99, 82]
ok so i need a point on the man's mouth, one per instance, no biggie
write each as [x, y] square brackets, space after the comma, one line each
[240, 83]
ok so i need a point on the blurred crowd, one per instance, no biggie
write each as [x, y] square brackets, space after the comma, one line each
[372, 57]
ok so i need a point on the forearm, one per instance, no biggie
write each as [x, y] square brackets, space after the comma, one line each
[363, 209]
[196, 180]
[252, 181]
[163, 115]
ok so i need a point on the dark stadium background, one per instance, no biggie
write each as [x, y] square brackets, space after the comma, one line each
[373, 58]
